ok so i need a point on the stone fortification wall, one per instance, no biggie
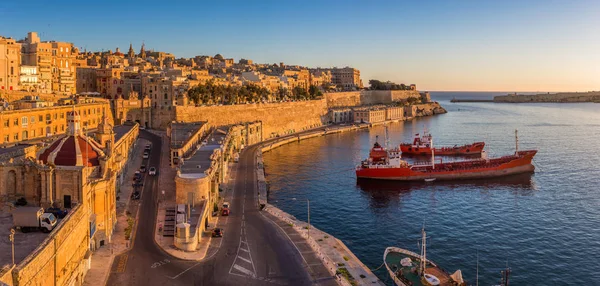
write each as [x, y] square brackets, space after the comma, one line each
[160, 117]
[276, 118]
[593, 96]
[368, 97]
[59, 260]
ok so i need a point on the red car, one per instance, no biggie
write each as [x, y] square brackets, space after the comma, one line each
[225, 212]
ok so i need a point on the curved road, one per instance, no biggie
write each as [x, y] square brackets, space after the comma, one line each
[253, 250]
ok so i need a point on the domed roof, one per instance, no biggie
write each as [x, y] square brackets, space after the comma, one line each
[74, 149]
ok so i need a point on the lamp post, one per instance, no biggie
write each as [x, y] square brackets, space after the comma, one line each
[11, 237]
[308, 207]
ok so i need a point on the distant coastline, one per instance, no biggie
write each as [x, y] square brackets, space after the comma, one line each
[561, 97]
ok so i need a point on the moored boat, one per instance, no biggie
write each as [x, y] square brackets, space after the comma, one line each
[392, 167]
[408, 268]
[423, 145]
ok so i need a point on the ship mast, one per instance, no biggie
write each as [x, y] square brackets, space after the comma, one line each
[387, 139]
[423, 263]
[432, 154]
[516, 142]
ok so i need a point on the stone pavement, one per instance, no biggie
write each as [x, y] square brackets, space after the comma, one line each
[103, 257]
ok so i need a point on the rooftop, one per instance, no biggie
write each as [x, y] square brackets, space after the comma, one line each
[181, 132]
[200, 160]
[121, 130]
[13, 149]
[25, 243]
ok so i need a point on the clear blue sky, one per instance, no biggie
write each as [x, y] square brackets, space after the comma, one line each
[438, 45]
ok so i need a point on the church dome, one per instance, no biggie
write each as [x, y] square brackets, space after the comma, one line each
[74, 149]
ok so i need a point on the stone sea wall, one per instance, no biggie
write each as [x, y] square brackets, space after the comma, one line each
[277, 118]
[368, 97]
[592, 96]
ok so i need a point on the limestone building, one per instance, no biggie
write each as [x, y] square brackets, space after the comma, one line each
[10, 63]
[78, 173]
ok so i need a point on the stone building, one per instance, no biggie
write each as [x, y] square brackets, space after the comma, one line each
[78, 173]
[28, 79]
[132, 109]
[55, 61]
[340, 115]
[37, 123]
[346, 78]
[10, 63]
[184, 138]
[394, 112]
[369, 115]
[200, 174]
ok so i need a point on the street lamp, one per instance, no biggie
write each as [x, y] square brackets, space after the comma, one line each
[308, 206]
[11, 237]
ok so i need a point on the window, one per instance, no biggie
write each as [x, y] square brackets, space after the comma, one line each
[55, 115]
[16, 122]
[67, 64]
[61, 49]
[40, 118]
[6, 138]
[32, 119]
[165, 96]
[16, 136]
[24, 136]
[12, 70]
[62, 128]
[62, 116]
[6, 123]
[24, 121]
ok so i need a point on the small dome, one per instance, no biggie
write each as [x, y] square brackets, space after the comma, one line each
[74, 149]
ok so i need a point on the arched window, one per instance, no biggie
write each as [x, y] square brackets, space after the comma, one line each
[24, 135]
[11, 182]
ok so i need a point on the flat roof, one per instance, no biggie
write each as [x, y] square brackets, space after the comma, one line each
[181, 132]
[14, 148]
[200, 160]
[25, 243]
[121, 130]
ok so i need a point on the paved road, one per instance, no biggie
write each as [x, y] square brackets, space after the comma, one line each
[253, 251]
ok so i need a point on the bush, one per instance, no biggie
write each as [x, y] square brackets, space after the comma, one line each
[346, 258]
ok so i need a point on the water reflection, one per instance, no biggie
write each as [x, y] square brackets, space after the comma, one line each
[383, 192]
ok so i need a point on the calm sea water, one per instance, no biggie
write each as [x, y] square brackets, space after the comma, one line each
[545, 226]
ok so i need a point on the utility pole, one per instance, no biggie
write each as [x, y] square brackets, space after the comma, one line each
[308, 204]
[11, 237]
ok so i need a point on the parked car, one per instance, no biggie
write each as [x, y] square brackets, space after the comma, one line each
[148, 146]
[57, 212]
[146, 155]
[225, 205]
[225, 212]
[143, 168]
[138, 184]
[152, 171]
[217, 232]
[137, 176]
[135, 195]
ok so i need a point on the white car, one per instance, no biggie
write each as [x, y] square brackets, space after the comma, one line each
[146, 155]
[152, 171]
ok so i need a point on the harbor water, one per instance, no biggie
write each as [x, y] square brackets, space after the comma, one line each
[544, 226]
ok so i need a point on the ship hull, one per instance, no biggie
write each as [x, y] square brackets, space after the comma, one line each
[475, 148]
[453, 171]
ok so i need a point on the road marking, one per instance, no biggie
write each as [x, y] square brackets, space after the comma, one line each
[244, 259]
[243, 270]
[246, 250]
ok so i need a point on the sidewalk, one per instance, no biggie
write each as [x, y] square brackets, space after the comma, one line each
[103, 257]
[166, 183]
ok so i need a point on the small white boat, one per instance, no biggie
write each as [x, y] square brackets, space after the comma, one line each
[429, 180]
[432, 280]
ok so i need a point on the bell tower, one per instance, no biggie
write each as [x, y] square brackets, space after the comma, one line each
[105, 135]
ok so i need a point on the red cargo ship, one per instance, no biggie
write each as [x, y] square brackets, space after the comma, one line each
[387, 165]
[422, 145]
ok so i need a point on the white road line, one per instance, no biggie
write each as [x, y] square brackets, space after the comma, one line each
[246, 250]
[244, 259]
[243, 270]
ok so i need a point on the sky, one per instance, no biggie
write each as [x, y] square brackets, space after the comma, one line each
[461, 45]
